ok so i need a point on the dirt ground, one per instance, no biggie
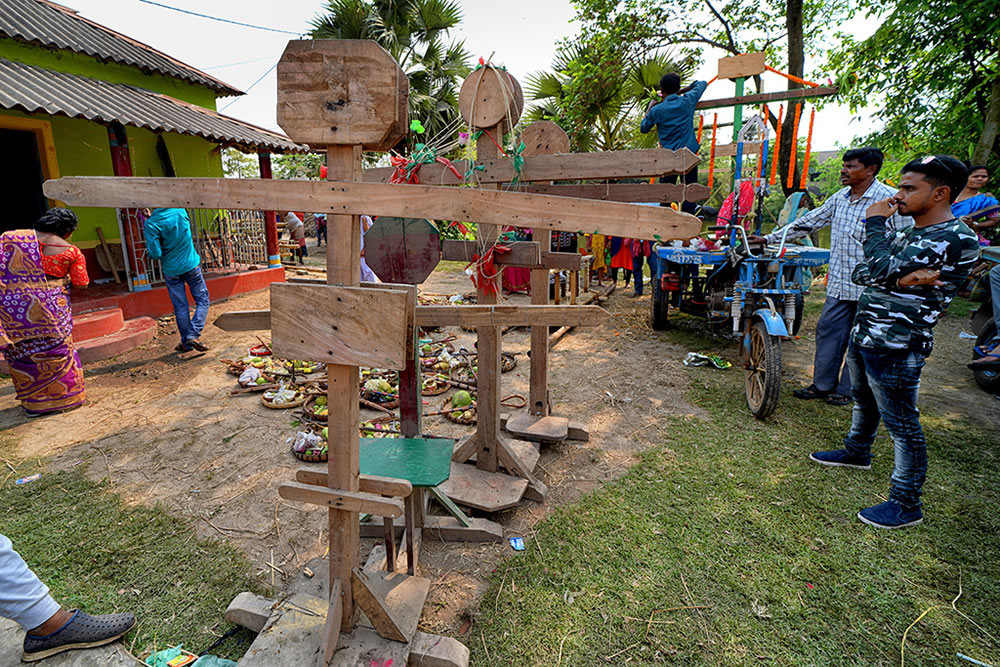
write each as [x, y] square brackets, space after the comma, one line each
[165, 430]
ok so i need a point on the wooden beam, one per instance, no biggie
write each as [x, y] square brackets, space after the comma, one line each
[383, 486]
[522, 316]
[797, 94]
[522, 253]
[405, 201]
[392, 601]
[341, 500]
[355, 326]
[562, 261]
[334, 616]
[466, 316]
[561, 167]
[729, 150]
[626, 192]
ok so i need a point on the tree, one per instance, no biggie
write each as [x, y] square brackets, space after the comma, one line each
[414, 32]
[935, 71]
[597, 97]
[789, 28]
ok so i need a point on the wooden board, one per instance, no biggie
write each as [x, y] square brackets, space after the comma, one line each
[487, 491]
[353, 326]
[538, 429]
[543, 137]
[392, 601]
[563, 261]
[402, 250]
[383, 486]
[498, 316]
[522, 253]
[338, 198]
[448, 528]
[331, 628]
[526, 452]
[440, 316]
[342, 92]
[561, 167]
[750, 148]
[743, 65]
[798, 93]
[490, 97]
[349, 501]
[363, 646]
[421, 461]
[626, 192]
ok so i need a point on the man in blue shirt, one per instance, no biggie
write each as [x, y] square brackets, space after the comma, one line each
[168, 239]
[674, 121]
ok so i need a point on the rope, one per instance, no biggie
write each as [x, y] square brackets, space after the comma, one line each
[777, 147]
[809, 141]
[793, 156]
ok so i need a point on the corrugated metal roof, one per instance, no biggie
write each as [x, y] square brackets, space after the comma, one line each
[33, 89]
[48, 24]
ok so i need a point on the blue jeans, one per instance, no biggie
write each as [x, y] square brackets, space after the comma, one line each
[637, 269]
[833, 331]
[885, 386]
[189, 328]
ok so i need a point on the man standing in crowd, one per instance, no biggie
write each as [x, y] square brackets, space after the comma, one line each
[168, 238]
[909, 279]
[844, 211]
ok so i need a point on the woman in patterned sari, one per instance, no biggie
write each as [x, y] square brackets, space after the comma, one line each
[36, 328]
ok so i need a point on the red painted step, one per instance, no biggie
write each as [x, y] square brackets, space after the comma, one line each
[136, 332]
[97, 323]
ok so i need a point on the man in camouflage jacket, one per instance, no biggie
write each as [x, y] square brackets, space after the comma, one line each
[910, 277]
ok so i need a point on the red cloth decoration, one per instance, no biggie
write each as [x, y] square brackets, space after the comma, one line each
[746, 203]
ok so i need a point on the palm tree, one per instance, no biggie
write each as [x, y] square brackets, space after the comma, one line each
[414, 32]
[598, 98]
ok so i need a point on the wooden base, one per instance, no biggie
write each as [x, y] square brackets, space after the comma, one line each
[536, 428]
[392, 601]
[487, 491]
[575, 430]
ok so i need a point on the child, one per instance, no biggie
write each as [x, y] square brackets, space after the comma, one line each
[59, 257]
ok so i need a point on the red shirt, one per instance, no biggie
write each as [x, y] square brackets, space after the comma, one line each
[69, 261]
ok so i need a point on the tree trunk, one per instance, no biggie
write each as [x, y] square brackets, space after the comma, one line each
[991, 124]
[796, 67]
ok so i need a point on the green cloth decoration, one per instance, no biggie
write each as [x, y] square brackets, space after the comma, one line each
[472, 168]
[416, 126]
[213, 661]
[161, 658]
[518, 161]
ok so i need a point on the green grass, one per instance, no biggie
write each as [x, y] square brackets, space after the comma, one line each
[729, 514]
[100, 555]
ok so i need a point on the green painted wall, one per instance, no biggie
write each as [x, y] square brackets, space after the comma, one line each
[75, 63]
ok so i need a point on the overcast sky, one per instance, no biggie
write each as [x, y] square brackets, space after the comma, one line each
[521, 33]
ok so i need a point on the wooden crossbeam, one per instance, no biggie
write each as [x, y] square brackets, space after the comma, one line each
[341, 500]
[561, 167]
[522, 253]
[383, 486]
[729, 150]
[405, 201]
[797, 94]
[626, 192]
[442, 316]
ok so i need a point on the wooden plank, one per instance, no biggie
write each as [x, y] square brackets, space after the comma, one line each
[447, 503]
[543, 137]
[626, 192]
[448, 528]
[244, 320]
[743, 65]
[729, 150]
[522, 316]
[538, 429]
[402, 250]
[561, 167]
[796, 94]
[562, 261]
[392, 601]
[354, 326]
[334, 615]
[406, 201]
[527, 452]
[538, 382]
[487, 491]
[383, 486]
[321, 103]
[350, 501]
[522, 253]
[363, 647]
[536, 490]
[465, 448]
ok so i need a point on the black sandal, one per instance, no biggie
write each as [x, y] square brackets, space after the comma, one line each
[839, 400]
[810, 393]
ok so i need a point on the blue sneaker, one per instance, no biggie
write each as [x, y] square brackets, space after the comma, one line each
[890, 515]
[840, 457]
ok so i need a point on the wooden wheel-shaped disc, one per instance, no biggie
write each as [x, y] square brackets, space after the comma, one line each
[544, 137]
[488, 96]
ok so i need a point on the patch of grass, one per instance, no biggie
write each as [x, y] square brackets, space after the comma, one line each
[100, 555]
[961, 308]
[730, 516]
[446, 266]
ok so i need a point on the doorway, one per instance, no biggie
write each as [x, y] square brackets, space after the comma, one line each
[22, 176]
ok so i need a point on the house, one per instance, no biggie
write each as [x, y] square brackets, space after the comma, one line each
[79, 99]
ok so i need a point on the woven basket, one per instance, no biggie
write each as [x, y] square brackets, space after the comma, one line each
[462, 421]
[309, 408]
[312, 456]
[436, 389]
[284, 406]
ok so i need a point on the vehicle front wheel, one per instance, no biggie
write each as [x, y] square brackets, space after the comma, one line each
[763, 371]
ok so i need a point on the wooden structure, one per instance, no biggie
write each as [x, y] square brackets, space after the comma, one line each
[349, 96]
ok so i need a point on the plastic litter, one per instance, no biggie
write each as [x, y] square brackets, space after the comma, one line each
[714, 360]
[26, 480]
[517, 543]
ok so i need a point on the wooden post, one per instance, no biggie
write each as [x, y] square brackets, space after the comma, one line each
[538, 393]
[343, 258]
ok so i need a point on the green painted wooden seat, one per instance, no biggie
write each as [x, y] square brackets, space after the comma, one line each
[423, 462]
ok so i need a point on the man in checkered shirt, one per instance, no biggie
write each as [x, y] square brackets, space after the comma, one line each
[844, 211]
